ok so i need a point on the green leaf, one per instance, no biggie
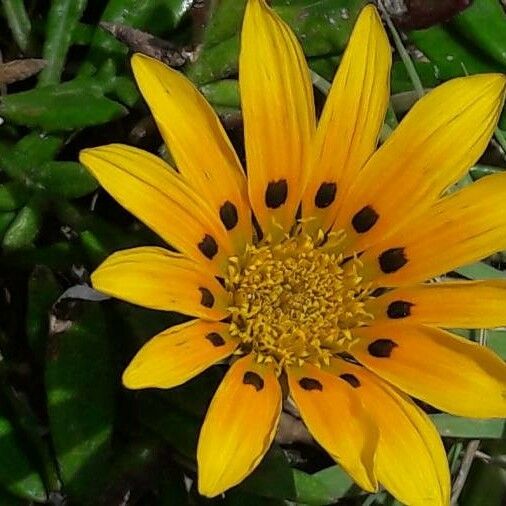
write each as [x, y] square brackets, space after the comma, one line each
[16, 471]
[224, 93]
[240, 498]
[460, 427]
[43, 291]
[336, 480]
[172, 489]
[66, 179]
[25, 227]
[5, 222]
[470, 24]
[195, 395]
[80, 384]
[496, 340]
[61, 21]
[7, 499]
[449, 54]
[18, 21]
[480, 270]
[61, 107]
[275, 478]
[180, 430]
[13, 195]
[23, 159]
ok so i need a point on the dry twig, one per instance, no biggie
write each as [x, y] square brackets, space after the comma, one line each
[17, 70]
[142, 42]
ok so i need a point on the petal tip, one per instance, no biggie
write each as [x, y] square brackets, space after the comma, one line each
[138, 59]
[208, 490]
[130, 377]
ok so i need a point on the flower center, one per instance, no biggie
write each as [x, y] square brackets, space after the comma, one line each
[296, 301]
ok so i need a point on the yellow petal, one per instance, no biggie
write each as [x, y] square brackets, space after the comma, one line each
[337, 420]
[410, 460]
[444, 370]
[159, 279]
[441, 137]
[459, 229]
[351, 120]
[151, 190]
[197, 142]
[279, 118]
[178, 354]
[239, 426]
[460, 304]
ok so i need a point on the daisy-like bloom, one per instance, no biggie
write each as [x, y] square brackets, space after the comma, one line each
[325, 294]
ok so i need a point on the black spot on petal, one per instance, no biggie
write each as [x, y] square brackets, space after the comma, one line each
[215, 339]
[228, 215]
[208, 246]
[399, 309]
[364, 220]
[252, 378]
[392, 260]
[207, 298]
[310, 384]
[325, 195]
[276, 193]
[351, 379]
[381, 348]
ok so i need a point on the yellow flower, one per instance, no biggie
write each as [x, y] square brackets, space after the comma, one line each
[325, 290]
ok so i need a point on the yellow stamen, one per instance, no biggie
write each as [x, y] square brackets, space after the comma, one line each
[296, 301]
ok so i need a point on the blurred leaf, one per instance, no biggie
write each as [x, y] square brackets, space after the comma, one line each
[80, 387]
[172, 489]
[336, 480]
[275, 478]
[7, 499]
[22, 161]
[224, 23]
[25, 227]
[450, 56]
[43, 290]
[135, 463]
[98, 237]
[240, 498]
[61, 20]
[66, 179]
[18, 21]
[16, 471]
[178, 429]
[471, 24]
[30, 163]
[195, 395]
[5, 221]
[486, 483]
[223, 93]
[401, 82]
[496, 340]
[480, 270]
[59, 255]
[460, 427]
[13, 195]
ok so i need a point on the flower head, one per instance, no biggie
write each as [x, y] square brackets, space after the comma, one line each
[326, 288]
